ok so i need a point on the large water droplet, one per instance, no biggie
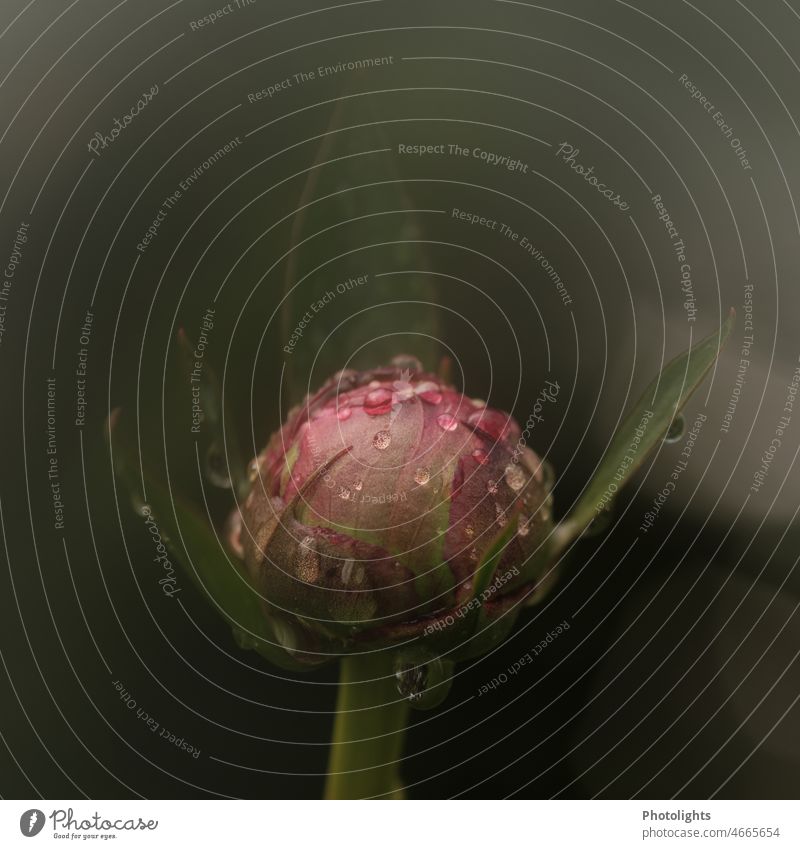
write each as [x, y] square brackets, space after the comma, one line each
[422, 476]
[515, 476]
[422, 679]
[344, 413]
[307, 561]
[676, 429]
[216, 467]
[429, 391]
[447, 422]
[378, 402]
[382, 440]
[352, 573]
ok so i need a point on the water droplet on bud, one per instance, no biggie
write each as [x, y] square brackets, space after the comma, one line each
[480, 456]
[344, 413]
[422, 476]
[502, 519]
[382, 440]
[491, 487]
[676, 429]
[429, 392]
[515, 476]
[422, 679]
[378, 402]
[447, 422]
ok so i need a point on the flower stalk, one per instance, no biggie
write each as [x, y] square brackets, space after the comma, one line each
[368, 731]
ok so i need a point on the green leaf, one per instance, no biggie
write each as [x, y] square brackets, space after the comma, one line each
[642, 430]
[190, 538]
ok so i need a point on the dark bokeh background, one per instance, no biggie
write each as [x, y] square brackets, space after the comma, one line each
[679, 673]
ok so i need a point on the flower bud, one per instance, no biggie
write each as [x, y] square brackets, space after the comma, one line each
[382, 499]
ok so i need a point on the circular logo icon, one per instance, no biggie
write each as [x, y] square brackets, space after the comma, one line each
[31, 822]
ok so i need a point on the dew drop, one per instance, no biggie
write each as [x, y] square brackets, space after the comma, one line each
[473, 554]
[422, 476]
[139, 506]
[307, 561]
[344, 493]
[344, 413]
[378, 402]
[216, 467]
[524, 526]
[502, 519]
[253, 469]
[422, 679]
[374, 384]
[357, 485]
[478, 402]
[600, 523]
[515, 476]
[470, 531]
[382, 440]
[429, 392]
[491, 487]
[480, 456]
[676, 429]
[447, 422]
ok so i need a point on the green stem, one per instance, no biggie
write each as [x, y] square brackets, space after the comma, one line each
[368, 731]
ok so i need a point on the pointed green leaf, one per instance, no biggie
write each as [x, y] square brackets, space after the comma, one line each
[642, 430]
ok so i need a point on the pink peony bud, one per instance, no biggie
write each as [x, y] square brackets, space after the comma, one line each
[373, 508]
